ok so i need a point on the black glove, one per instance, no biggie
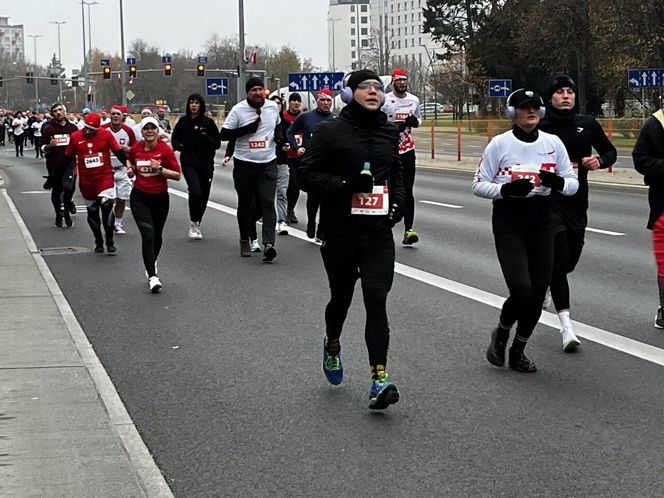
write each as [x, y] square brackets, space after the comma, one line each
[412, 121]
[402, 126]
[552, 180]
[518, 188]
[361, 183]
[48, 184]
[395, 215]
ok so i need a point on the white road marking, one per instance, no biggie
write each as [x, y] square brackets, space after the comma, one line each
[36, 192]
[594, 334]
[442, 204]
[604, 232]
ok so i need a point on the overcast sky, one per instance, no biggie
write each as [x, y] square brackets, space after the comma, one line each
[171, 25]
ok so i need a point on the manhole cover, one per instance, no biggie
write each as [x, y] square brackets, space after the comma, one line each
[58, 251]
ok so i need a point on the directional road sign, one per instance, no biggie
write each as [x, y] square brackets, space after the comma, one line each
[311, 82]
[131, 61]
[166, 59]
[104, 62]
[202, 59]
[500, 88]
[645, 78]
[216, 86]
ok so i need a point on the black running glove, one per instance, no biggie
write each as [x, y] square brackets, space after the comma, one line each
[48, 184]
[395, 215]
[552, 180]
[360, 183]
[518, 188]
[412, 121]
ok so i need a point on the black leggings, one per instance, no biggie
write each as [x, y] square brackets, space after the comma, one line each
[293, 192]
[38, 151]
[62, 191]
[568, 247]
[408, 162]
[150, 212]
[370, 258]
[106, 209]
[199, 183]
[526, 259]
[313, 202]
[18, 143]
[250, 178]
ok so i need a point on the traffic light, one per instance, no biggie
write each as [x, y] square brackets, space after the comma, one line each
[28, 78]
[0, 81]
[168, 68]
[74, 81]
[132, 71]
[54, 79]
[200, 70]
[106, 71]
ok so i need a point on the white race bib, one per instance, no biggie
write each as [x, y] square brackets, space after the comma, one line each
[375, 203]
[61, 140]
[94, 161]
[144, 169]
[402, 113]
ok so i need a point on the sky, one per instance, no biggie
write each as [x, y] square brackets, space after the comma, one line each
[171, 25]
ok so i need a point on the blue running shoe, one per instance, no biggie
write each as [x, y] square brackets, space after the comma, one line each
[383, 393]
[334, 370]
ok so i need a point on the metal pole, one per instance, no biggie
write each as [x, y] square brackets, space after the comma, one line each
[58, 23]
[334, 62]
[85, 58]
[241, 76]
[90, 49]
[34, 39]
[122, 56]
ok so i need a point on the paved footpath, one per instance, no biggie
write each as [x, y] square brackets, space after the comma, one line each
[64, 431]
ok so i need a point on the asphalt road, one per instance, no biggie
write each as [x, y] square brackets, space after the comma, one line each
[221, 371]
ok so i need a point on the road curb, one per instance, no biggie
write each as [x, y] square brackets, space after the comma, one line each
[147, 472]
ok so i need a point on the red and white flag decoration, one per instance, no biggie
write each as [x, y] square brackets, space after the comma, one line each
[249, 58]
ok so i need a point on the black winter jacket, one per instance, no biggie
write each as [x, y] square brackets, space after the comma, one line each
[648, 155]
[580, 134]
[197, 138]
[336, 153]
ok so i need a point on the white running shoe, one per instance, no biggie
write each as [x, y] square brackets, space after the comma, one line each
[548, 301]
[570, 341]
[199, 234]
[192, 230]
[282, 228]
[155, 284]
[119, 229]
[255, 246]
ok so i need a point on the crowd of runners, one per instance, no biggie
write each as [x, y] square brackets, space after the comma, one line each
[357, 169]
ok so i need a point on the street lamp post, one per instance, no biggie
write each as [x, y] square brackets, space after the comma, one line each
[334, 50]
[59, 56]
[122, 56]
[88, 4]
[435, 84]
[36, 79]
[241, 75]
[85, 52]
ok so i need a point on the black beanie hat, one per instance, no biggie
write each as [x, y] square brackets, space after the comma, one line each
[294, 97]
[252, 82]
[359, 76]
[560, 81]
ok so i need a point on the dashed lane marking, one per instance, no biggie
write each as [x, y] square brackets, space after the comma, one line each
[442, 204]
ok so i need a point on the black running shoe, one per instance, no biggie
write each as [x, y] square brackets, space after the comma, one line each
[68, 220]
[311, 229]
[99, 248]
[58, 220]
[111, 248]
[269, 254]
[520, 363]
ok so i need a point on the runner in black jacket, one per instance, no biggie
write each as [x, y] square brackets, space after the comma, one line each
[197, 138]
[580, 134]
[648, 155]
[358, 153]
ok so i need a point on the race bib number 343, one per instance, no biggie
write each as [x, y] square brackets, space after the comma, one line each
[375, 203]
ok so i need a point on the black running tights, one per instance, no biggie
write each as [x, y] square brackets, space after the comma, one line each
[199, 183]
[371, 259]
[568, 247]
[526, 259]
[106, 208]
[150, 212]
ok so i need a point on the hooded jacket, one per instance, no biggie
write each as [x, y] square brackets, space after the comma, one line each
[648, 155]
[197, 138]
[336, 153]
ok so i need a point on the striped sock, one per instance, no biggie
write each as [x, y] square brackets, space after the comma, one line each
[332, 345]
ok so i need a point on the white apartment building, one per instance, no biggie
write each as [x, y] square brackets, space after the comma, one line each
[348, 33]
[403, 21]
[12, 41]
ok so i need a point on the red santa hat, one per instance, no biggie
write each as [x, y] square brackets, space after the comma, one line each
[399, 74]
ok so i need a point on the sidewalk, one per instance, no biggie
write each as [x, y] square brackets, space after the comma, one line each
[63, 430]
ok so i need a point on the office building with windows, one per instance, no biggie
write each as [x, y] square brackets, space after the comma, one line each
[348, 33]
[12, 41]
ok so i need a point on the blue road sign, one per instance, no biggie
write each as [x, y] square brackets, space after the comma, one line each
[131, 61]
[166, 59]
[216, 86]
[500, 88]
[104, 62]
[202, 59]
[311, 82]
[645, 78]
